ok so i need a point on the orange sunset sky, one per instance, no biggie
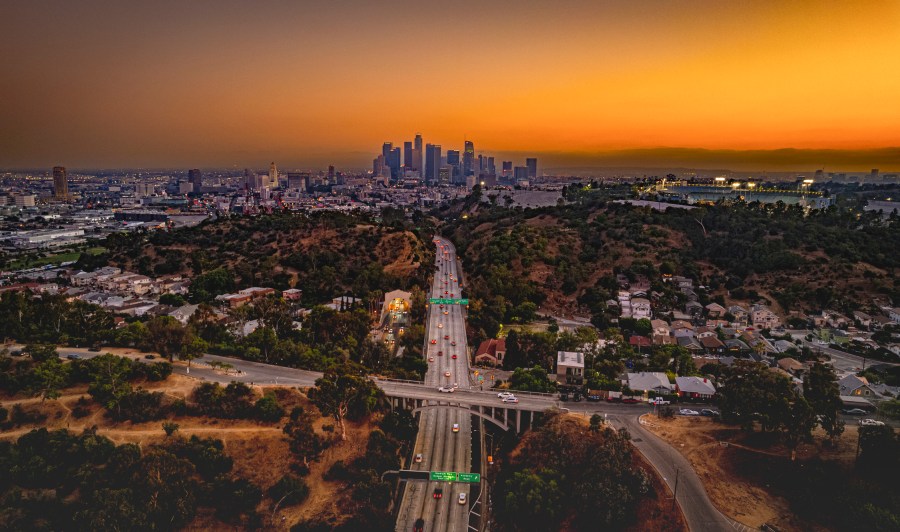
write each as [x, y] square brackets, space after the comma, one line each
[222, 83]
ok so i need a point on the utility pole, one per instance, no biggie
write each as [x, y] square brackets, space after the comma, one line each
[675, 491]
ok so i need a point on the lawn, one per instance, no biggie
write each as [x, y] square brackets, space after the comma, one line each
[56, 258]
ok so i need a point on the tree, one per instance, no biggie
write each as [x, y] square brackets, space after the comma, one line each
[824, 396]
[205, 287]
[50, 376]
[168, 337]
[344, 391]
[532, 500]
[531, 380]
[304, 442]
[170, 427]
[41, 352]
[643, 327]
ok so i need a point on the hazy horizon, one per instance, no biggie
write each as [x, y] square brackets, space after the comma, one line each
[309, 83]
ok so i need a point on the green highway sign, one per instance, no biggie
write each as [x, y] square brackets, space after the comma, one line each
[444, 476]
[446, 301]
[470, 477]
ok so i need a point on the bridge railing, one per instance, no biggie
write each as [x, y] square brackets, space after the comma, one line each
[400, 381]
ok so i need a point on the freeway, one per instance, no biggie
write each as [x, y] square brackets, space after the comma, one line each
[445, 434]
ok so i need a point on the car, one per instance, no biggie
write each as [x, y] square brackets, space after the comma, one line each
[709, 413]
[446, 374]
[438, 493]
[440, 325]
[454, 356]
[453, 344]
[446, 292]
[462, 498]
[94, 349]
[688, 412]
[419, 526]
[17, 353]
[501, 395]
[456, 427]
[659, 401]
[445, 389]
[870, 423]
[630, 400]
[442, 305]
[73, 356]
[594, 398]
[855, 412]
[446, 312]
[418, 458]
[149, 357]
[512, 399]
[431, 359]
[455, 385]
[433, 341]
[440, 353]
[446, 337]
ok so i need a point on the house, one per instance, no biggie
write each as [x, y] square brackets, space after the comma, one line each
[791, 365]
[570, 367]
[693, 308]
[740, 314]
[690, 343]
[234, 300]
[712, 345]
[184, 313]
[864, 319]
[292, 294]
[694, 387]
[715, 310]
[682, 328]
[491, 352]
[894, 314]
[660, 327]
[783, 345]
[650, 382]
[640, 308]
[856, 386]
[763, 318]
[703, 332]
[639, 342]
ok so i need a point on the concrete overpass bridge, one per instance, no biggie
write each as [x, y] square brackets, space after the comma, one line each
[505, 416]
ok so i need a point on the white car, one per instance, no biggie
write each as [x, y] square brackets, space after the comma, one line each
[502, 395]
[440, 325]
[446, 374]
[512, 399]
[462, 498]
[659, 401]
[445, 389]
[419, 458]
[870, 423]
[688, 412]
[456, 427]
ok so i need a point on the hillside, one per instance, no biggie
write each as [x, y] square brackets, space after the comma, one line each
[563, 261]
[324, 254]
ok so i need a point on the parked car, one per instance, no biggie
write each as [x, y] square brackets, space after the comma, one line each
[150, 357]
[630, 400]
[688, 412]
[94, 349]
[73, 356]
[855, 412]
[870, 423]
[709, 413]
[593, 398]
[513, 400]
[462, 498]
[659, 401]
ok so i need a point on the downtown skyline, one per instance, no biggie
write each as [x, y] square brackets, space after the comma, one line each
[745, 86]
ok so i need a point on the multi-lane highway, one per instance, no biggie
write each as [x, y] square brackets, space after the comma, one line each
[444, 441]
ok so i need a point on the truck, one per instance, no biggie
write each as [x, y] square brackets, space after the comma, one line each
[659, 401]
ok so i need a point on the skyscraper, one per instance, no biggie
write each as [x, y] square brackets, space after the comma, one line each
[507, 169]
[60, 182]
[453, 163]
[469, 158]
[249, 178]
[196, 178]
[273, 175]
[393, 162]
[520, 173]
[408, 155]
[417, 155]
[432, 162]
[531, 164]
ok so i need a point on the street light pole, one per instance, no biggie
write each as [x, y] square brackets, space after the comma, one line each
[675, 491]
